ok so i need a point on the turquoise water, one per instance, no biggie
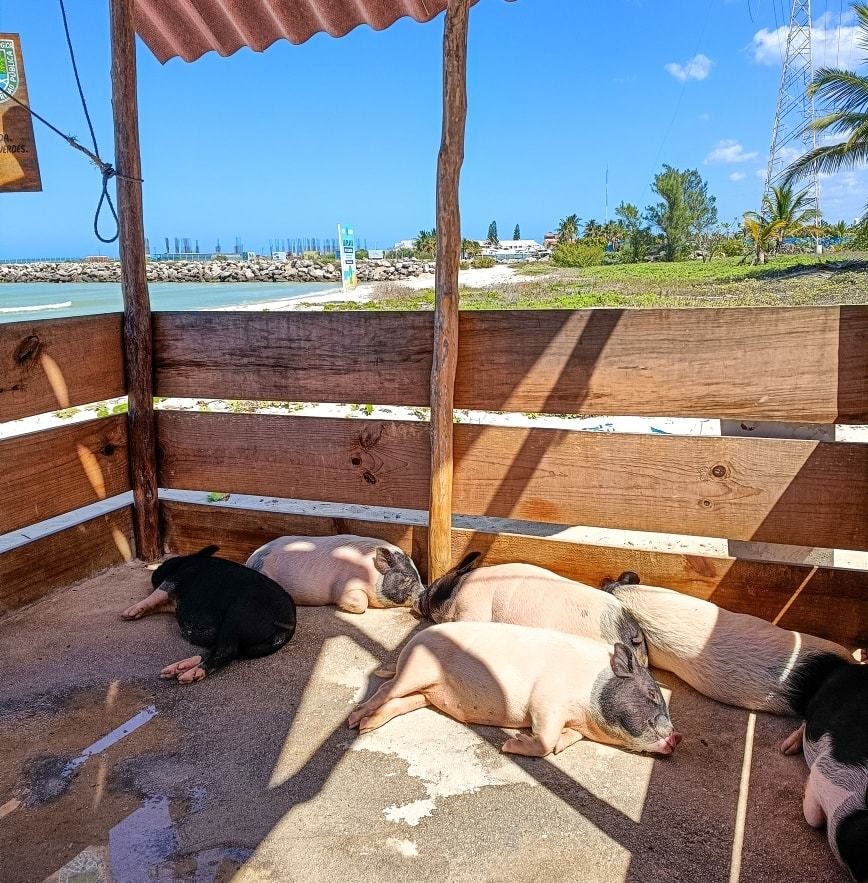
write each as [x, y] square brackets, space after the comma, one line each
[23, 301]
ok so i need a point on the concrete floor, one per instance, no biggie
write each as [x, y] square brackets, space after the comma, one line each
[252, 775]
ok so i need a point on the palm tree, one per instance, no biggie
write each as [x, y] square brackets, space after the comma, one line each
[568, 229]
[840, 231]
[470, 248]
[784, 204]
[763, 232]
[426, 242]
[847, 92]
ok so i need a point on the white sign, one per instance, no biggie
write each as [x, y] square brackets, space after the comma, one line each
[347, 240]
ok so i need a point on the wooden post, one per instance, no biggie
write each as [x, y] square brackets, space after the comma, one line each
[138, 344]
[446, 286]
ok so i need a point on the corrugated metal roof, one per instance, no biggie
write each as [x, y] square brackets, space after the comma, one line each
[190, 28]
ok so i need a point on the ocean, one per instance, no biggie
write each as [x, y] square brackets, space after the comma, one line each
[23, 301]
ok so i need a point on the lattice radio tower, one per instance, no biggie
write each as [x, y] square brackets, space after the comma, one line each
[791, 136]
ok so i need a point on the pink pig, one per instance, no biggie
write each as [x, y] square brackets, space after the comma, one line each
[351, 571]
[561, 686]
[523, 594]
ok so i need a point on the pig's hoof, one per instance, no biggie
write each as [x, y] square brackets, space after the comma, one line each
[137, 611]
[192, 675]
[184, 665]
[353, 719]
[523, 744]
[793, 743]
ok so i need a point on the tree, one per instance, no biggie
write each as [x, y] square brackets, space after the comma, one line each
[470, 248]
[516, 234]
[426, 242]
[492, 235]
[568, 229]
[686, 209]
[763, 233]
[594, 233]
[638, 239]
[792, 210]
[847, 92]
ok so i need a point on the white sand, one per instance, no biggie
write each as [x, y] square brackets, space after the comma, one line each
[479, 278]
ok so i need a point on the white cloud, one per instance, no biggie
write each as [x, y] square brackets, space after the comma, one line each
[834, 43]
[737, 176]
[730, 151]
[696, 68]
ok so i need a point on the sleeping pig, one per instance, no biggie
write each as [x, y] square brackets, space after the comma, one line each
[225, 607]
[561, 686]
[351, 571]
[523, 594]
[835, 741]
[732, 657]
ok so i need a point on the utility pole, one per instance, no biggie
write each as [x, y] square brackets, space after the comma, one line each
[791, 135]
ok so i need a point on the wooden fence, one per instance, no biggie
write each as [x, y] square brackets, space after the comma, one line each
[790, 365]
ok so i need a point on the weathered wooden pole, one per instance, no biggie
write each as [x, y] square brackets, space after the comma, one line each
[445, 361]
[138, 343]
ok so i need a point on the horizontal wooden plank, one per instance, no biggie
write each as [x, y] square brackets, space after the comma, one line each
[830, 603]
[803, 493]
[28, 572]
[377, 358]
[51, 364]
[54, 471]
[377, 463]
[188, 527]
[785, 364]
[790, 364]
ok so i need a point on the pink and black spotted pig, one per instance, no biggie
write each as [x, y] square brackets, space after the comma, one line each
[834, 737]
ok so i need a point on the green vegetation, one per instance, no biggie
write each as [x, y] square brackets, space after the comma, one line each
[516, 234]
[568, 228]
[790, 280]
[577, 254]
[685, 211]
[482, 263]
[66, 413]
[492, 239]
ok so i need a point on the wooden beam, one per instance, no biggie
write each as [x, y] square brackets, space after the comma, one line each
[445, 359]
[51, 364]
[371, 462]
[57, 470]
[138, 347]
[57, 561]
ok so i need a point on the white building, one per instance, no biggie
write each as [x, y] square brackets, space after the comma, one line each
[405, 245]
[513, 250]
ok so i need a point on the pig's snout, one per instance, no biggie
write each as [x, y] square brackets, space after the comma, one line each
[668, 744]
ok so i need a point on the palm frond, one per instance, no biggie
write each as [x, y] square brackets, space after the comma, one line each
[845, 90]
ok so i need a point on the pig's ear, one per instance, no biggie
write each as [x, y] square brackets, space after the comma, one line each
[384, 559]
[623, 661]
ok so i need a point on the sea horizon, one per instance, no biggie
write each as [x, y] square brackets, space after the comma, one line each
[25, 301]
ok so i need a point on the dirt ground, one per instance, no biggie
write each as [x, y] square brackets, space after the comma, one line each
[252, 775]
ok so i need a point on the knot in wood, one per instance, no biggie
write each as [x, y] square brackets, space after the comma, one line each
[719, 471]
[108, 449]
[369, 437]
[706, 504]
[369, 477]
[28, 349]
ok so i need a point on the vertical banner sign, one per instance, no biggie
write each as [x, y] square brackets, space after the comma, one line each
[348, 257]
[19, 166]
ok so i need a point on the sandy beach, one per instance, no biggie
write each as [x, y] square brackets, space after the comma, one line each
[474, 278]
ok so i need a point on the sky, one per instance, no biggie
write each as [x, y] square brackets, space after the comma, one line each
[292, 141]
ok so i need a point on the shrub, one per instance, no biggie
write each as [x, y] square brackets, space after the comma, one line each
[483, 263]
[361, 254]
[464, 265]
[577, 254]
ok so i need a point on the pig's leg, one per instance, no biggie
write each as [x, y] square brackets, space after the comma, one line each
[793, 743]
[392, 708]
[568, 737]
[157, 602]
[546, 730]
[814, 814]
[417, 671]
[353, 601]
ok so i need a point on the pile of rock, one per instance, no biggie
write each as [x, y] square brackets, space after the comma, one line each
[228, 270]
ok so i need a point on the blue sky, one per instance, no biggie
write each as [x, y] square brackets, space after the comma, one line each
[293, 140]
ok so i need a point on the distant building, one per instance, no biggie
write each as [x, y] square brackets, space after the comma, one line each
[513, 250]
[405, 245]
[550, 240]
[278, 256]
